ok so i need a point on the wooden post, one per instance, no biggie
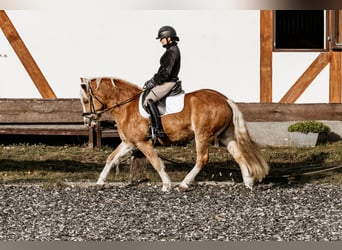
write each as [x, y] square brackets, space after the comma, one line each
[335, 82]
[98, 134]
[266, 48]
[138, 170]
[306, 78]
[91, 138]
[25, 57]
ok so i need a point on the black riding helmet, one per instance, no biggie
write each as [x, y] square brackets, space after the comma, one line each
[167, 31]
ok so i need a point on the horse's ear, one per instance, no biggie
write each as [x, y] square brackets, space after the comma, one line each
[84, 87]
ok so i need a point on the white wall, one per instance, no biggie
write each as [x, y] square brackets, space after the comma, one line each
[288, 67]
[220, 50]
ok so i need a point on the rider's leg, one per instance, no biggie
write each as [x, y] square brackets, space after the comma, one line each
[158, 92]
[155, 94]
[157, 128]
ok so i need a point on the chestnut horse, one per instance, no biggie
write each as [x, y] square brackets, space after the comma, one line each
[207, 114]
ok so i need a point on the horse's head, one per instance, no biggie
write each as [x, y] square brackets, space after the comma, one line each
[99, 95]
[92, 101]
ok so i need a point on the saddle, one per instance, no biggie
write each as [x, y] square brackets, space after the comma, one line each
[172, 103]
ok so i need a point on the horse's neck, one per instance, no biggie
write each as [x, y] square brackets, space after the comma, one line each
[123, 92]
[124, 114]
[126, 87]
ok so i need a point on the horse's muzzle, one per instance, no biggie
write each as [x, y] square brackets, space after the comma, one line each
[90, 119]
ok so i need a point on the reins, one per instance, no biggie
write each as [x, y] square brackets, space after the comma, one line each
[100, 112]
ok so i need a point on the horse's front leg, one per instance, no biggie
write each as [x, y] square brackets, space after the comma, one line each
[151, 154]
[114, 160]
[202, 152]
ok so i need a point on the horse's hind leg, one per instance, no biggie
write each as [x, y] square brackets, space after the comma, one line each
[202, 152]
[228, 139]
[236, 153]
[114, 160]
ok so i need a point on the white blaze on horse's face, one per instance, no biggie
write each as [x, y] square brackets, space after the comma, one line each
[89, 119]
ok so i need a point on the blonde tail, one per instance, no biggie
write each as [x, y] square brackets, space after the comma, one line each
[257, 165]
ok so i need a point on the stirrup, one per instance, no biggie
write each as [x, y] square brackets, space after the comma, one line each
[159, 133]
[155, 133]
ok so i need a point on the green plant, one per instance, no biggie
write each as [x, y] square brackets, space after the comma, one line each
[306, 127]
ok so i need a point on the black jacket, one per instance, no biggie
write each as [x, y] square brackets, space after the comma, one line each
[169, 65]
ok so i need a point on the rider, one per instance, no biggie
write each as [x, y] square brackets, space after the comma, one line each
[165, 79]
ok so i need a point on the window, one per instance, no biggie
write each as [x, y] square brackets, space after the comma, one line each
[300, 30]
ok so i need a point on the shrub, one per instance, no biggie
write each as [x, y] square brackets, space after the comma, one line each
[306, 127]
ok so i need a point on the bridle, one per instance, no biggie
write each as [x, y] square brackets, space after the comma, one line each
[94, 114]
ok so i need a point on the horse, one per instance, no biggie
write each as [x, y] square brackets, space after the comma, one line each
[207, 114]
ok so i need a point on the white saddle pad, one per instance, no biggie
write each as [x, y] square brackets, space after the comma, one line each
[174, 104]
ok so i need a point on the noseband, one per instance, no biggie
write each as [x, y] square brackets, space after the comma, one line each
[94, 114]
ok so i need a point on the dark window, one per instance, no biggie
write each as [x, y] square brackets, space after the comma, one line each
[299, 29]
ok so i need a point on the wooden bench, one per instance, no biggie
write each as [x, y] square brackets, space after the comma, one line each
[50, 117]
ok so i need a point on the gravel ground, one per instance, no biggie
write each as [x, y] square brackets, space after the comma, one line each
[144, 213]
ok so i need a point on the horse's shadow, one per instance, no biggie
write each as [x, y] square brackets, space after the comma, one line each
[309, 170]
[48, 165]
[13, 171]
[313, 169]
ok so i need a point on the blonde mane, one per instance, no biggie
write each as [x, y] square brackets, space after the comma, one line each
[114, 80]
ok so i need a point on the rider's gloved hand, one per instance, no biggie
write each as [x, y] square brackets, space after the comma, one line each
[149, 84]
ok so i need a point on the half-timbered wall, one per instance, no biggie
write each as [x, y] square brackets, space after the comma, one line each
[332, 55]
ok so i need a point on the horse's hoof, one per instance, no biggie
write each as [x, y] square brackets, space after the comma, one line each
[250, 187]
[249, 182]
[182, 188]
[100, 183]
[165, 189]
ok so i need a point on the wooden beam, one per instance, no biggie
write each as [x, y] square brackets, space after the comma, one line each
[266, 48]
[335, 81]
[25, 57]
[306, 78]
[40, 111]
[277, 112]
[28, 110]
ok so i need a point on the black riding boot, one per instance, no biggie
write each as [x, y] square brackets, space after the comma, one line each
[156, 125]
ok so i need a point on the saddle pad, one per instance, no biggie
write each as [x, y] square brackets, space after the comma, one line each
[174, 104]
